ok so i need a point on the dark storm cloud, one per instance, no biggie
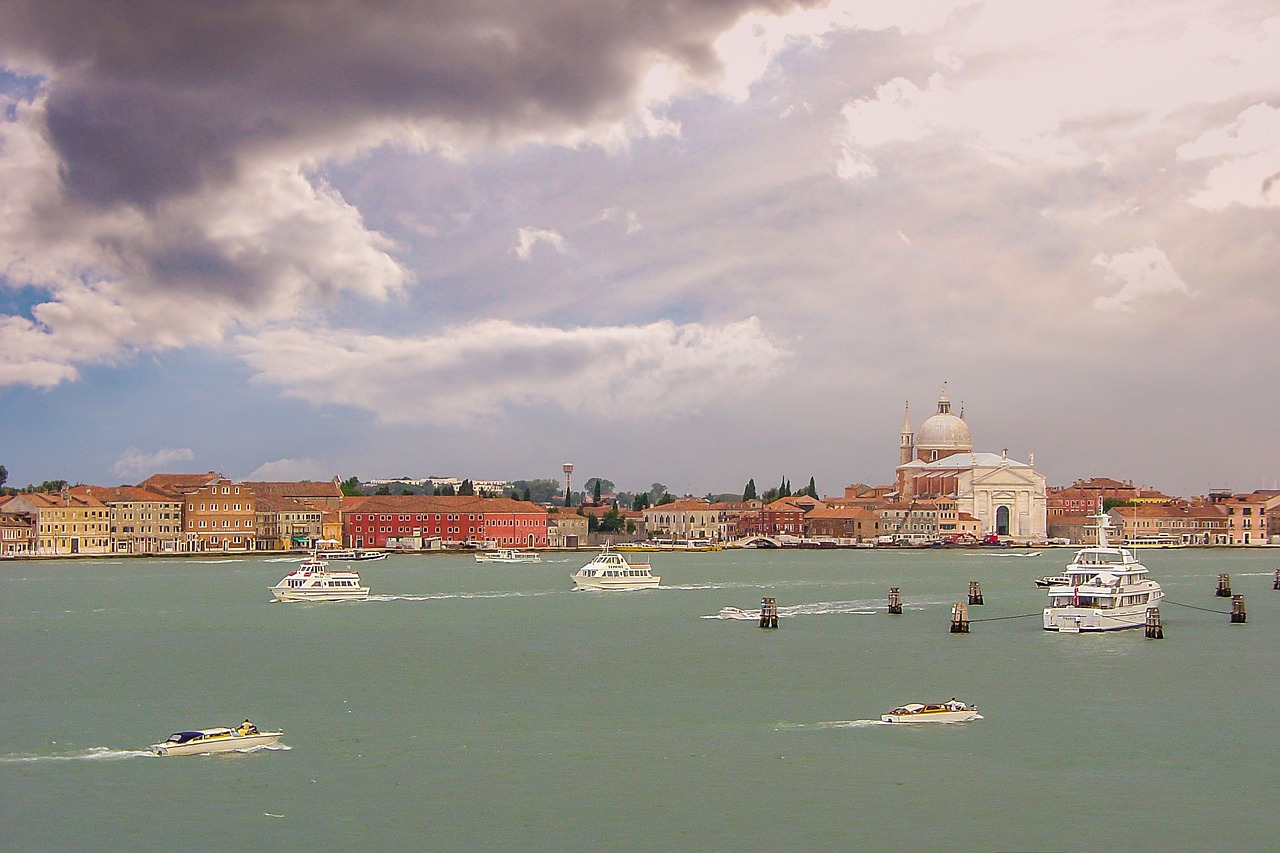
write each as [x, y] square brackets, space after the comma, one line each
[148, 100]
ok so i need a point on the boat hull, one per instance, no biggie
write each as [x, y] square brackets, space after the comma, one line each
[231, 743]
[359, 593]
[650, 582]
[932, 717]
[1073, 620]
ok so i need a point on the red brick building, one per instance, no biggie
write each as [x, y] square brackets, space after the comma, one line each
[369, 522]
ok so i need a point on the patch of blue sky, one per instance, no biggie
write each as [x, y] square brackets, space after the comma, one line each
[18, 300]
[15, 87]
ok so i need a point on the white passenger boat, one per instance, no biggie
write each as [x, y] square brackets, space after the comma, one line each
[954, 711]
[1107, 589]
[508, 555]
[352, 556]
[221, 739]
[610, 570]
[313, 580]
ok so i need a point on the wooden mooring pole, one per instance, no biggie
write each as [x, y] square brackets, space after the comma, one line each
[1237, 610]
[959, 618]
[1155, 631]
[1275, 584]
[1224, 586]
[768, 613]
[895, 600]
[975, 592]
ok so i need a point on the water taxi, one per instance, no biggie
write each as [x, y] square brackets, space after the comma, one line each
[1107, 589]
[313, 580]
[610, 570]
[954, 711]
[353, 556]
[220, 739]
[508, 555]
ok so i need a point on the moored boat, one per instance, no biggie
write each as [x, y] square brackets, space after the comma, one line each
[610, 570]
[313, 580]
[1107, 589]
[352, 556]
[219, 739]
[508, 555]
[953, 711]
[1052, 580]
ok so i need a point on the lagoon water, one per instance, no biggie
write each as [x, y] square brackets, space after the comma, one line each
[488, 707]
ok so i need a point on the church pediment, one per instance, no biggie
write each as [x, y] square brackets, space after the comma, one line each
[1007, 476]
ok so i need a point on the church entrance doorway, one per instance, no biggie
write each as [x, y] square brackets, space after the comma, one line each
[1002, 521]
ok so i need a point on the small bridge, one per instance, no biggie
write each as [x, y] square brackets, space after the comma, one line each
[758, 541]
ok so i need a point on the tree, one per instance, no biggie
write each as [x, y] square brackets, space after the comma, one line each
[384, 489]
[4, 475]
[538, 491]
[749, 493]
[350, 486]
[596, 492]
[812, 491]
[527, 494]
[640, 502]
[656, 491]
[667, 498]
[467, 488]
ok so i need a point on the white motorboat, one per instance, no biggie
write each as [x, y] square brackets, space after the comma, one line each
[738, 613]
[1107, 589]
[954, 711]
[610, 570]
[220, 739]
[313, 580]
[508, 555]
[1052, 580]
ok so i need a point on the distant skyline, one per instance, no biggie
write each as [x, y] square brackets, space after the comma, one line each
[688, 242]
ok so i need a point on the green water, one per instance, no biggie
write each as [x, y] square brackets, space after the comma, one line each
[488, 707]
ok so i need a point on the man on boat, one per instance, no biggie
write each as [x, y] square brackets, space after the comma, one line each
[247, 728]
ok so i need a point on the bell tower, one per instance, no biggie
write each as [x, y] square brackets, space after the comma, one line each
[906, 438]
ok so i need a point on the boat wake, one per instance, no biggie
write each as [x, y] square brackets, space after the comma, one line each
[96, 753]
[818, 608]
[833, 724]
[445, 596]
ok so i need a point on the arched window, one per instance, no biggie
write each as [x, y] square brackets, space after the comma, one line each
[1002, 521]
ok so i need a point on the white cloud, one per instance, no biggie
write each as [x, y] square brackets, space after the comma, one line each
[1249, 153]
[1140, 273]
[661, 371]
[292, 470]
[134, 463]
[260, 248]
[529, 237]
[1030, 86]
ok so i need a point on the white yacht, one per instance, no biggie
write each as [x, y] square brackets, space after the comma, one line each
[1107, 589]
[313, 580]
[610, 570]
[508, 555]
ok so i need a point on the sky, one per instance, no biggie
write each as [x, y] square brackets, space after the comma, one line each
[693, 242]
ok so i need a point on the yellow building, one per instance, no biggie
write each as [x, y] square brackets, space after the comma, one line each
[72, 521]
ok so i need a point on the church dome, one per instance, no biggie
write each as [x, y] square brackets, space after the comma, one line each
[944, 431]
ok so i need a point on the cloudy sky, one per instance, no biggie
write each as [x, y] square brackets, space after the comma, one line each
[694, 242]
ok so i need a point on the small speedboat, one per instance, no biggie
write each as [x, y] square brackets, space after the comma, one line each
[220, 739]
[353, 556]
[954, 711]
[738, 613]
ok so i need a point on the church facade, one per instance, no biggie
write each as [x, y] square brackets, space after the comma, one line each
[1006, 496]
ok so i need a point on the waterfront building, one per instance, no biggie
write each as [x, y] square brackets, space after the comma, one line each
[374, 520]
[143, 521]
[17, 532]
[1247, 516]
[1005, 496]
[1171, 523]
[70, 521]
[220, 516]
[566, 529]
[692, 518]
[835, 522]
